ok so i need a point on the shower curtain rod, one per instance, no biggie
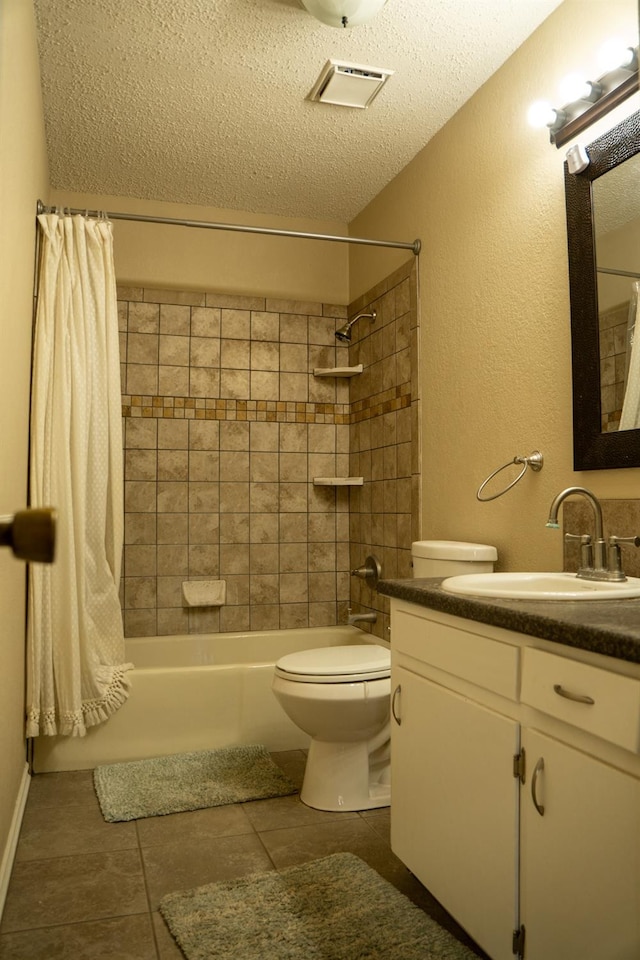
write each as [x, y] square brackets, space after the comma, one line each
[239, 228]
[619, 273]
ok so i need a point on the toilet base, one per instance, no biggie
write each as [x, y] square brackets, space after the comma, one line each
[344, 776]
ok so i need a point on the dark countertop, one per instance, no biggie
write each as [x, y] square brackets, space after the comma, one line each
[609, 627]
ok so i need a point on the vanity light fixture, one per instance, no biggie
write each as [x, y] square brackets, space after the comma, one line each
[588, 100]
[343, 13]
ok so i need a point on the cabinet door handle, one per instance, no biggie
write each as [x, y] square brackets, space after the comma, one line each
[539, 767]
[396, 694]
[576, 697]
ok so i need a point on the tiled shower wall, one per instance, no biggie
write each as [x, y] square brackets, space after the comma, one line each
[384, 515]
[613, 364]
[225, 427]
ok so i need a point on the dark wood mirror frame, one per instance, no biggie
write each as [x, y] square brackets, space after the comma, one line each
[593, 449]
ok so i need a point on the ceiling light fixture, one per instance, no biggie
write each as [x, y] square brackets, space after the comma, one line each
[589, 100]
[343, 13]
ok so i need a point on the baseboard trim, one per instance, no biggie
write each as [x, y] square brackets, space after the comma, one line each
[12, 840]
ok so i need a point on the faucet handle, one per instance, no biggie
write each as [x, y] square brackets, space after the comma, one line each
[586, 549]
[614, 555]
[613, 540]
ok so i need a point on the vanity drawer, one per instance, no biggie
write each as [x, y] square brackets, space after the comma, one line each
[555, 685]
[481, 660]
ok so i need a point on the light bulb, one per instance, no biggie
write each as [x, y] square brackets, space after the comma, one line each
[542, 114]
[574, 87]
[613, 54]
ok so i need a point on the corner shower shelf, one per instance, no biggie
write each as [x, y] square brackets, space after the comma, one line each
[338, 481]
[337, 371]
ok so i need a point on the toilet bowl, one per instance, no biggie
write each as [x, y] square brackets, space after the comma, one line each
[340, 697]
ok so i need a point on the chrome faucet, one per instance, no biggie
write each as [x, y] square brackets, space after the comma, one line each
[598, 560]
[592, 561]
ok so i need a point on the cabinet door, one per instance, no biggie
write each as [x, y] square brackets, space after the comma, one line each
[454, 806]
[580, 858]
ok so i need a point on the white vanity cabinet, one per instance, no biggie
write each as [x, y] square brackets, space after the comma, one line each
[580, 879]
[558, 854]
[453, 807]
[580, 814]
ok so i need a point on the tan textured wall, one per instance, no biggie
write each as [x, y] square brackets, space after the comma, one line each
[23, 175]
[486, 196]
[153, 255]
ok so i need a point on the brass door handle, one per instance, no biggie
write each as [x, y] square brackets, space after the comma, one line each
[31, 534]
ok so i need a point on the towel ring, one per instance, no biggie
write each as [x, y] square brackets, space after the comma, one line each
[534, 460]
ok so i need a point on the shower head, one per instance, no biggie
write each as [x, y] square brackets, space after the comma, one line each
[344, 333]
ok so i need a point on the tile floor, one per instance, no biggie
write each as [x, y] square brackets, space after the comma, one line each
[84, 889]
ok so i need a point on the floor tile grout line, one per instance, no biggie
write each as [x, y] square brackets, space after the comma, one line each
[259, 833]
[72, 923]
[68, 856]
[147, 894]
[376, 834]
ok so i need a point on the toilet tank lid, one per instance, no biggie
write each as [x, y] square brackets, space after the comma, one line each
[452, 550]
[327, 661]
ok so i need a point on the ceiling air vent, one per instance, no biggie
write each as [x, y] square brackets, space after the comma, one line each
[348, 84]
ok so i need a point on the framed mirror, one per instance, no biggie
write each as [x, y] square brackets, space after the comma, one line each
[603, 232]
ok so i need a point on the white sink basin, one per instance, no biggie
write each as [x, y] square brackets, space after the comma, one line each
[540, 586]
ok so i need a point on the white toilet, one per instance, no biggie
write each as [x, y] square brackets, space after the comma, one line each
[340, 696]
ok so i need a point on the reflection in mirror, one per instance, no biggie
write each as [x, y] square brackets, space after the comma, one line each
[603, 231]
[616, 212]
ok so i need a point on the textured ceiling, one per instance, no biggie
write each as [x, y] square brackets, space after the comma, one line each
[203, 101]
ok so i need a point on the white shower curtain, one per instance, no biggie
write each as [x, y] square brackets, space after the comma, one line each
[630, 418]
[76, 676]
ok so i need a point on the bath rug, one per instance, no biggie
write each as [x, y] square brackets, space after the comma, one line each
[336, 908]
[187, 781]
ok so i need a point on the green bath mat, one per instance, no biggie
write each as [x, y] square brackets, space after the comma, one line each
[336, 908]
[187, 781]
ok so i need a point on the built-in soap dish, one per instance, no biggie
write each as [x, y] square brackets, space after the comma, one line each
[204, 593]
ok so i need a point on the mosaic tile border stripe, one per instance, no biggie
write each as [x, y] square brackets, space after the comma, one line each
[192, 408]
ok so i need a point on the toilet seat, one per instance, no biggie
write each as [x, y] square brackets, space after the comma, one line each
[345, 664]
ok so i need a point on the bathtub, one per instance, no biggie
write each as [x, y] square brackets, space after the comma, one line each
[195, 692]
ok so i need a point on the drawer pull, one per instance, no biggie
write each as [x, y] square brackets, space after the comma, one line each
[396, 694]
[576, 697]
[539, 767]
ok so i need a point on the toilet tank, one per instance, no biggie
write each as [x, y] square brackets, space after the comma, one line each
[448, 558]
